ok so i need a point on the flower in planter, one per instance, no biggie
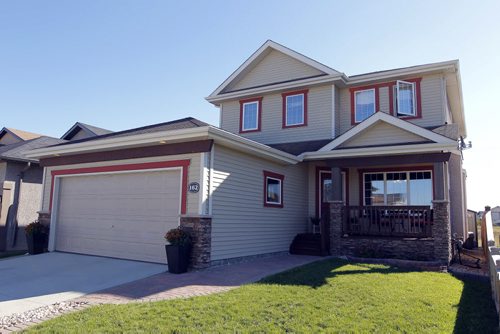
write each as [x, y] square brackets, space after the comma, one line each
[36, 228]
[178, 237]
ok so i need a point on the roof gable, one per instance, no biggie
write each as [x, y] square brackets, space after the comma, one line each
[382, 133]
[17, 135]
[263, 68]
[81, 131]
[383, 129]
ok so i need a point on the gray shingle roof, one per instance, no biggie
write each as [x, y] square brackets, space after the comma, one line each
[297, 148]
[183, 123]
[16, 151]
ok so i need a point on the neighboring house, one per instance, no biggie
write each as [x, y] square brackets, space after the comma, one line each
[11, 136]
[375, 156]
[495, 215]
[21, 180]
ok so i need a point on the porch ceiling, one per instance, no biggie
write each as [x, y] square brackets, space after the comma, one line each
[395, 160]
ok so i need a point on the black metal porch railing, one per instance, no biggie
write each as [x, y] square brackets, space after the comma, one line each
[391, 221]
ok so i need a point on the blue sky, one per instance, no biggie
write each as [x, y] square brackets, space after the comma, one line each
[121, 64]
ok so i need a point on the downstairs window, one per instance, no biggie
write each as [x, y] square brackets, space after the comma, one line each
[398, 188]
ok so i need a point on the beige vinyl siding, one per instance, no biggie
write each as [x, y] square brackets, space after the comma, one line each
[432, 102]
[193, 176]
[337, 111]
[3, 172]
[354, 186]
[241, 225]
[382, 134]
[344, 111]
[433, 110]
[384, 106]
[319, 118]
[274, 67]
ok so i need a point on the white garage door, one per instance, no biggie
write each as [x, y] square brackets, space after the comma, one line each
[123, 215]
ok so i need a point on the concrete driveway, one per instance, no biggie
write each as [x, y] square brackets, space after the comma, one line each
[28, 282]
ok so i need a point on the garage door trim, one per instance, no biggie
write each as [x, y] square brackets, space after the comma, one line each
[148, 166]
[110, 169]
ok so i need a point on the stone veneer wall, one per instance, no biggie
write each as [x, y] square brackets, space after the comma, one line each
[392, 248]
[200, 229]
[44, 217]
[437, 248]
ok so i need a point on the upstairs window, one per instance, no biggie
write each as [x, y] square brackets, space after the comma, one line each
[405, 98]
[294, 109]
[273, 189]
[364, 104]
[250, 115]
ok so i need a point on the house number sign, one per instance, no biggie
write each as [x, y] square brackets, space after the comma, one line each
[194, 187]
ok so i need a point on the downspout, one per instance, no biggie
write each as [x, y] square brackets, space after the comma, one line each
[12, 223]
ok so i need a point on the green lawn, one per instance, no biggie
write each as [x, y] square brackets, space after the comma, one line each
[326, 296]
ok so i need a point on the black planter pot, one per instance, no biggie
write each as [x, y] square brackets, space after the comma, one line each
[178, 258]
[37, 243]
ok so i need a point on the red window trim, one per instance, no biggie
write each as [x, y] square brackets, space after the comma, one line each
[388, 170]
[418, 99]
[328, 169]
[268, 174]
[259, 116]
[284, 96]
[184, 164]
[391, 106]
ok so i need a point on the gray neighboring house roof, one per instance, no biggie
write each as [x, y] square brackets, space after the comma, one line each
[183, 123]
[90, 129]
[15, 152]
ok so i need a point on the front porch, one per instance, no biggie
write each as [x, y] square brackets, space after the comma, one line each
[383, 207]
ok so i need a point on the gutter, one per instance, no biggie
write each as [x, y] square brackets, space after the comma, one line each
[207, 132]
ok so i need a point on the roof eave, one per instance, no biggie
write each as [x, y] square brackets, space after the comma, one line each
[377, 151]
[274, 87]
[207, 132]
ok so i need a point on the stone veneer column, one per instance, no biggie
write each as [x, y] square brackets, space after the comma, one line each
[441, 231]
[336, 211]
[44, 217]
[200, 229]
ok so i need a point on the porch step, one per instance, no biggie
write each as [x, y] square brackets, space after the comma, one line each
[306, 244]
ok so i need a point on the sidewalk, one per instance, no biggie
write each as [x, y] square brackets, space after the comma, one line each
[196, 283]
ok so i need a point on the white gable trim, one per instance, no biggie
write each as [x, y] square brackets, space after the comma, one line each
[397, 122]
[278, 47]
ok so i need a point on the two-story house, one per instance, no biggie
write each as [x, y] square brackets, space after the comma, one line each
[374, 159]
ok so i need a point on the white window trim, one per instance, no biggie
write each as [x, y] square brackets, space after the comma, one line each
[280, 190]
[385, 183]
[303, 109]
[413, 89]
[355, 104]
[243, 127]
